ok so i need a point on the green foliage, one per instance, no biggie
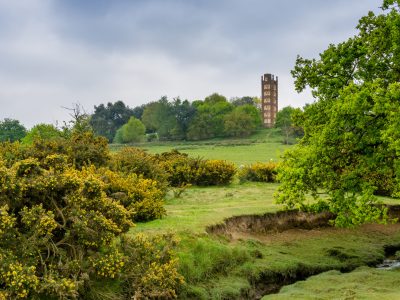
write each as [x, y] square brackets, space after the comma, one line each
[351, 143]
[42, 132]
[131, 132]
[284, 121]
[261, 172]
[107, 119]
[134, 160]
[183, 170]
[11, 130]
[159, 117]
[242, 121]
[150, 270]
[209, 119]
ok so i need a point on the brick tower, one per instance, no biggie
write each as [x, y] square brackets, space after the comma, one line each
[269, 99]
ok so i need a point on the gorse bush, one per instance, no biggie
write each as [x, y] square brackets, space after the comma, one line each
[80, 149]
[150, 270]
[63, 215]
[53, 222]
[134, 160]
[183, 170]
[140, 195]
[261, 172]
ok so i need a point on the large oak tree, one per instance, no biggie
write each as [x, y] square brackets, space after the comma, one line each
[351, 147]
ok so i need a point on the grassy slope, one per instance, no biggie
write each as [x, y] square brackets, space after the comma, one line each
[202, 206]
[217, 268]
[262, 146]
[363, 283]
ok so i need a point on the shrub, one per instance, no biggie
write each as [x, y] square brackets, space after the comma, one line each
[183, 170]
[137, 194]
[134, 160]
[215, 172]
[59, 224]
[262, 172]
[53, 222]
[151, 268]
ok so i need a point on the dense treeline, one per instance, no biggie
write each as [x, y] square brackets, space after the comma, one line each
[178, 119]
[162, 120]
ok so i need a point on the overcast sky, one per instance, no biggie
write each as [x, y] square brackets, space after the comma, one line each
[54, 53]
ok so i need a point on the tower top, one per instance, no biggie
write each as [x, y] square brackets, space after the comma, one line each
[269, 77]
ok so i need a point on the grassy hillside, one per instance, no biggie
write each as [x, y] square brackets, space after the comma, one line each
[265, 145]
[237, 266]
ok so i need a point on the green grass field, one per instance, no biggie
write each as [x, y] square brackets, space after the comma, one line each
[263, 146]
[237, 267]
[221, 268]
[363, 283]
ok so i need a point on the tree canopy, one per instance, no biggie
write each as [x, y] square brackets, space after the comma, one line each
[284, 121]
[11, 130]
[131, 132]
[351, 147]
[42, 131]
[106, 119]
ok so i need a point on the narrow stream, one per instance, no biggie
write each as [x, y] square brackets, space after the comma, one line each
[389, 264]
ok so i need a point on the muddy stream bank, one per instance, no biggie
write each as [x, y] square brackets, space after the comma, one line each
[271, 226]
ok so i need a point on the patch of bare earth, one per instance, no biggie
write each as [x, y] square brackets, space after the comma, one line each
[291, 226]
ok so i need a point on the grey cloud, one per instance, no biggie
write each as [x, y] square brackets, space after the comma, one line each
[55, 52]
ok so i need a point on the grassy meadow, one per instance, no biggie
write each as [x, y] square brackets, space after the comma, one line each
[246, 266]
[221, 267]
[263, 146]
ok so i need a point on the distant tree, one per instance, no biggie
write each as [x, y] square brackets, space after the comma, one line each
[214, 98]
[238, 123]
[184, 113]
[11, 130]
[253, 112]
[107, 119]
[137, 111]
[159, 117]
[209, 119]
[246, 100]
[80, 120]
[42, 131]
[284, 121]
[131, 132]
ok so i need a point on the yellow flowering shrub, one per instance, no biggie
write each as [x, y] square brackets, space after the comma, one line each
[108, 265]
[262, 172]
[150, 270]
[59, 215]
[183, 170]
[19, 280]
[140, 195]
[38, 220]
[7, 221]
[63, 216]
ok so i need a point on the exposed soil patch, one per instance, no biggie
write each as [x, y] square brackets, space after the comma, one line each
[272, 222]
[293, 221]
